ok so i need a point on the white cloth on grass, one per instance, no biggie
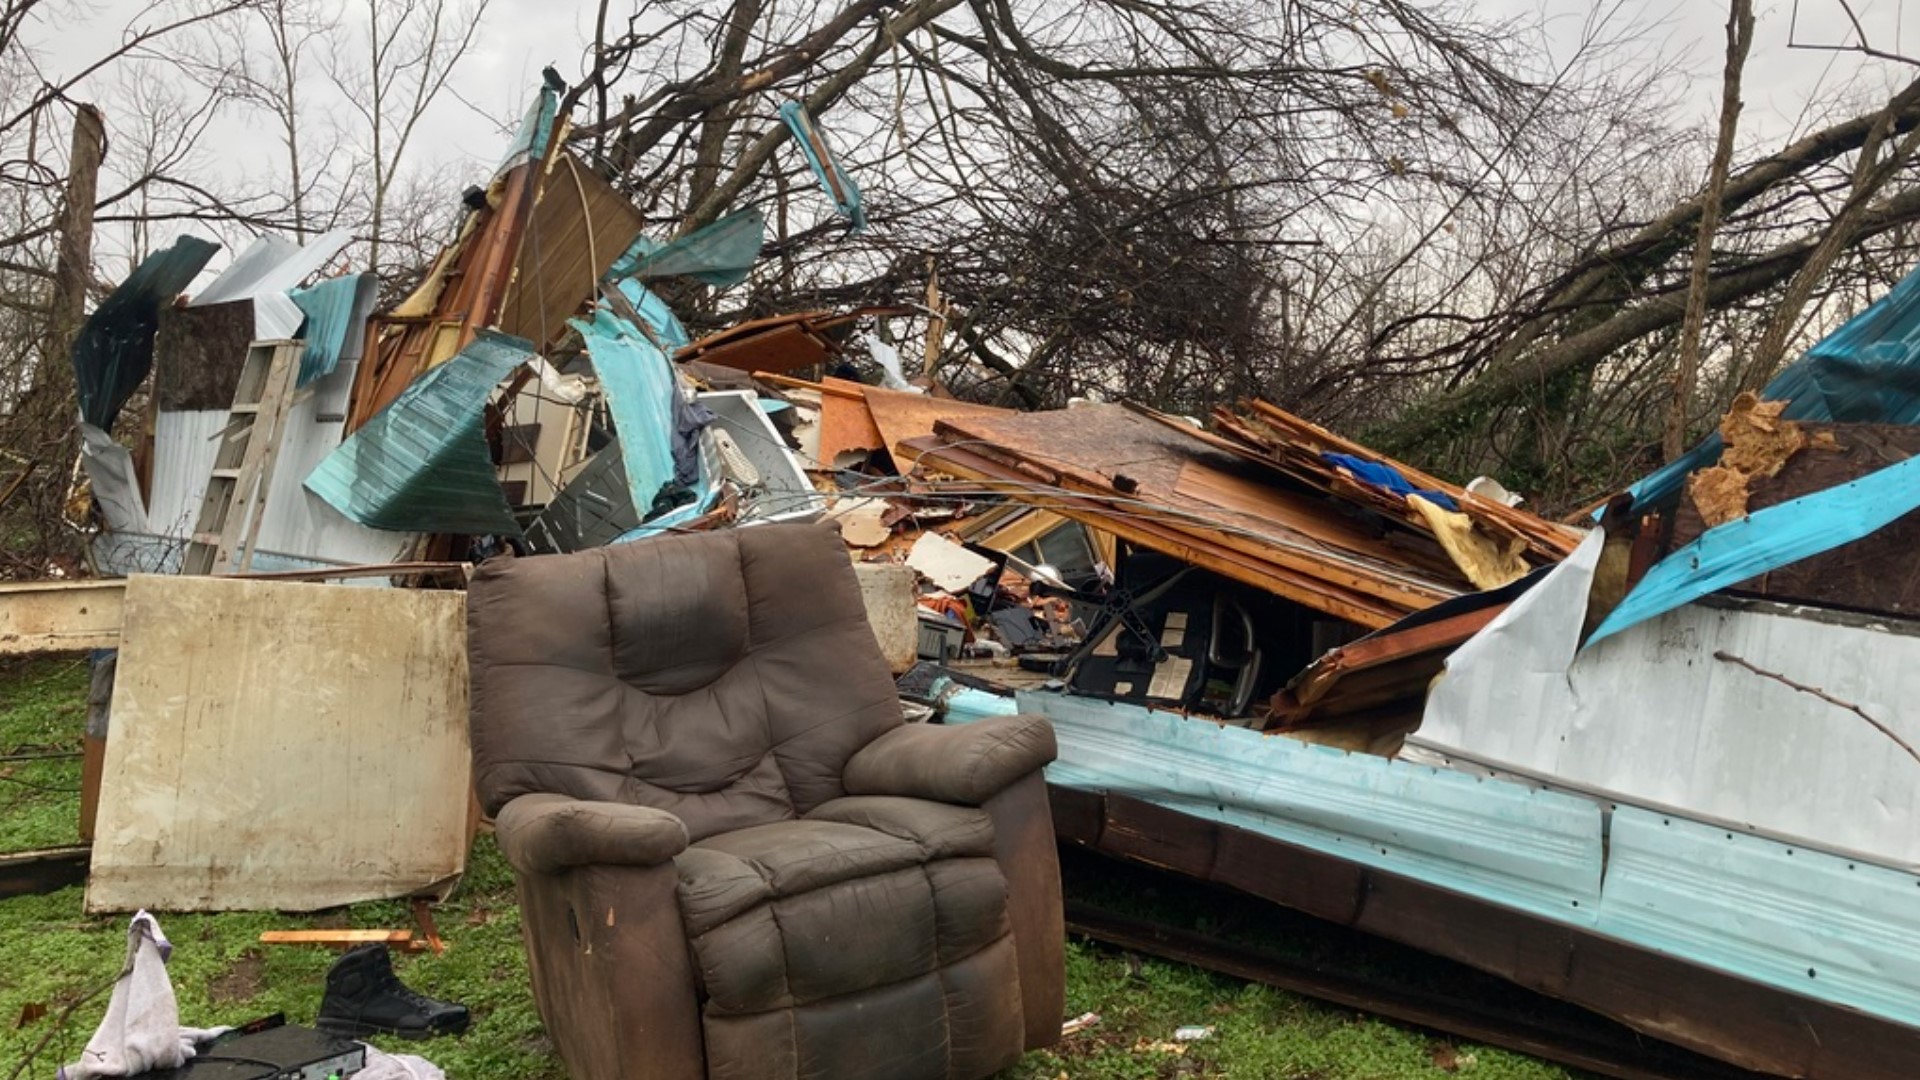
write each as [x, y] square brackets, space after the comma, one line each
[141, 1030]
[385, 1066]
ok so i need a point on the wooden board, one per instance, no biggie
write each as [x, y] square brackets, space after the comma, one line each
[282, 747]
[845, 423]
[901, 416]
[32, 873]
[335, 937]
[578, 227]
[1255, 503]
[1091, 449]
[60, 616]
[1195, 547]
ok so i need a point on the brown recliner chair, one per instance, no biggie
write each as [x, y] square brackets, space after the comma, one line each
[734, 859]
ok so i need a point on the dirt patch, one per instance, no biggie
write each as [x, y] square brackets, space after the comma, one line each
[242, 981]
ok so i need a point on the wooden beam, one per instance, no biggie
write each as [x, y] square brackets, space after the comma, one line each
[29, 873]
[335, 937]
[60, 616]
[75, 616]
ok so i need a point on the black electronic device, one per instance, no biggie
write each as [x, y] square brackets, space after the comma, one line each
[271, 1049]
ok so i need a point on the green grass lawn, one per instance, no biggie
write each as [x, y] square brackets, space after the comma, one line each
[53, 955]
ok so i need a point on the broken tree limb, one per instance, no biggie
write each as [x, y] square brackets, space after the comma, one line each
[1727, 657]
[1588, 348]
[1586, 283]
[829, 91]
[1871, 173]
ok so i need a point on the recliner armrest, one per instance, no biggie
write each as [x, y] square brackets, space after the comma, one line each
[959, 763]
[546, 833]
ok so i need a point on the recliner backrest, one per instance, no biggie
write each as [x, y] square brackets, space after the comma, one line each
[724, 676]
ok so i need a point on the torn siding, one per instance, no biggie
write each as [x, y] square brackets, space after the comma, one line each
[298, 531]
[269, 269]
[640, 386]
[836, 183]
[1723, 900]
[720, 254]
[1868, 371]
[1777, 536]
[336, 312]
[1654, 715]
[114, 351]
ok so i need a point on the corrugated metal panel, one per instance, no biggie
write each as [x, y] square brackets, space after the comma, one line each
[1650, 716]
[336, 311]
[639, 385]
[1810, 923]
[421, 464]
[1512, 844]
[266, 272]
[298, 531]
[721, 254]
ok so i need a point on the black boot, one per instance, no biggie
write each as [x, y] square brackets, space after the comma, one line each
[364, 997]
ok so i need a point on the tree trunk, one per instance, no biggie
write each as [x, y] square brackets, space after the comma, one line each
[73, 265]
[1686, 372]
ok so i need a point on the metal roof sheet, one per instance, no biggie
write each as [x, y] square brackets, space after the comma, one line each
[421, 464]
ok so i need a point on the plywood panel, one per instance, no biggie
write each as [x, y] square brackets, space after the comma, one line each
[901, 416]
[845, 425]
[576, 231]
[282, 747]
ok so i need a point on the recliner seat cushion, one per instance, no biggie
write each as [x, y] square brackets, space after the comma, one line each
[888, 909]
[777, 913]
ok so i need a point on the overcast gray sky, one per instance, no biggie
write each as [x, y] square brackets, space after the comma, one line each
[519, 37]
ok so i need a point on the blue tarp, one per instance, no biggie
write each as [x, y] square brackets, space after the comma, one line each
[1388, 478]
[421, 464]
[837, 184]
[114, 349]
[721, 254]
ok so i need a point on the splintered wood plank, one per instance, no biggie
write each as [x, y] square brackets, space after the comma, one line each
[1258, 502]
[282, 747]
[1136, 463]
[1310, 589]
[335, 937]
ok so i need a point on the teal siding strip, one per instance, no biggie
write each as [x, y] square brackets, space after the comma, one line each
[1745, 905]
[421, 464]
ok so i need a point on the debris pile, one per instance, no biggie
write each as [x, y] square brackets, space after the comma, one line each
[1545, 718]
